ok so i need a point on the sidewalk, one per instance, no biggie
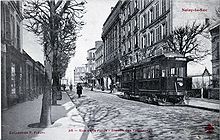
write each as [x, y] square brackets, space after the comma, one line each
[67, 122]
[107, 91]
[208, 104]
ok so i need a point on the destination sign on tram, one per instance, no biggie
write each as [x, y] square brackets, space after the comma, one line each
[180, 59]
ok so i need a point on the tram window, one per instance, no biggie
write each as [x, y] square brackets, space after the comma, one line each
[145, 73]
[180, 72]
[157, 71]
[138, 74]
[163, 73]
[167, 72]
[141, 73]
[172, 71]
[152, 72]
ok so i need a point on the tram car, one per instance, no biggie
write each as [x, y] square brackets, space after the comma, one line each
[160, 79]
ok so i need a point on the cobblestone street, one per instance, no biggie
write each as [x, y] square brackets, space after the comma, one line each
[111, 117]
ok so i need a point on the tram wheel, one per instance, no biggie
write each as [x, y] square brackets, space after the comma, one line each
[164, 99]
[127, 96]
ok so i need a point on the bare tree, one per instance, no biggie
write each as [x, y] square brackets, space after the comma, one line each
[218, 12]
[185, 41]
[57, 23]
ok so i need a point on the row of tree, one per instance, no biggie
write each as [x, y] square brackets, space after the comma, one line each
[57, 24]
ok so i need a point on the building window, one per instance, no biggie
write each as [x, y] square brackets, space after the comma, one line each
[157, 10]
[164, 30]
[152, 37]
[151, 14]
[129, 8]
[217, 48]
[2, 19]
[8, 28]
[18, 37]
[13, 78]
[148, 39]
[142, 22]
[135, 41]
[158, 33]
[13, 29]
[142, 4]
[135, 4]
[142, 42]
[163, 6]
[129, 27]
[145, 20]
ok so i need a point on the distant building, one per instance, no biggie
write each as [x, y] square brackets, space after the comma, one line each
[90, 67]
[90, 60]
[79, 75]
[215, 54]
[98, 63]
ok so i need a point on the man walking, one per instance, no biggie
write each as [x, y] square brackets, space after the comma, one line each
[79, 89]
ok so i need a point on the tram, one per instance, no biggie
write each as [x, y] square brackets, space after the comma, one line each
[159, 79]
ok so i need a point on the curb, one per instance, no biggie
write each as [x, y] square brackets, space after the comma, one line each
[204, 108]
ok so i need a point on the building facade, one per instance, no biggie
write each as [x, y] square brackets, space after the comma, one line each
[79, 75]
[215, 54]
[98, 63]
[22, 78]
[112, 50]
[136, 30]
[11, 51]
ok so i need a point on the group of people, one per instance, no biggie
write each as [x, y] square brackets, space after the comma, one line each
[79, 89]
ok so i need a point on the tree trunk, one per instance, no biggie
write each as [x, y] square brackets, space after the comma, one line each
[45, 117]
[55, 87]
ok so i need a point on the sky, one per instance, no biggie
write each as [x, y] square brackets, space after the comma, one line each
[97, 13]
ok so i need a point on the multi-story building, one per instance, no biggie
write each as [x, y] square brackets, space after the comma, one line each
[154, 26]
[11, 51]
[215, 54]
[147, 23]
[112, 50]
[130, 32]
[79, 75]
[90, 60]
[22, 78]
[90, 67]
[98, 63]
[141, 27]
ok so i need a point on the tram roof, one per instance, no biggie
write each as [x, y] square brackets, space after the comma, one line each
[159, 57]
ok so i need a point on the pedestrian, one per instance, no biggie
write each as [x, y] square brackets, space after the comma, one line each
[79, 89]
[71, 87]
[64, 87]
[111, 88]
